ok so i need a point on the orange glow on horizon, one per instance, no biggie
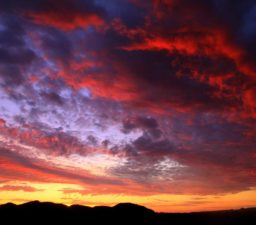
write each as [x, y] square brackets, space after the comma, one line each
[55, 192]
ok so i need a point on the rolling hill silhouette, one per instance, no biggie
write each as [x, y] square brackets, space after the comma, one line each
[124, 213]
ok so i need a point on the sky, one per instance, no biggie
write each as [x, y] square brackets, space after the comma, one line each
[144, 101]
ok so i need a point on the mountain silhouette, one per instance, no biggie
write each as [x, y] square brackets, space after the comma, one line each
[124, 213]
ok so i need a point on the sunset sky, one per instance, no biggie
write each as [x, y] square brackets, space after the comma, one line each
[144, 101]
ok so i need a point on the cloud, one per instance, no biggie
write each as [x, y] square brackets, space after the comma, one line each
[17, 167]
[66, 16]
[19, 188]
[53, 97]
[185, 74]
[160, 93]
[2, 122]
[147, 124]
[15, 55]
[208, 155]
[75, 191]
[56, 45]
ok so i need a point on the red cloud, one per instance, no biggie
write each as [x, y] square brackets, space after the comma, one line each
[56, 143]
[14, 166]
[210, 41]
[65, 15]
[2, 122]
[249, 100]
[66, 21]
[12, 170]
[19, 188]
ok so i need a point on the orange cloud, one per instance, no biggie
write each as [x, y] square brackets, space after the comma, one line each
[19, 188]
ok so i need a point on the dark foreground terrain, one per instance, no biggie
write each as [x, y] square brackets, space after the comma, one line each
[126, 213]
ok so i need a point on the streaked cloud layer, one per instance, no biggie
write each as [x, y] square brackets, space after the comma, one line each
[150, 101]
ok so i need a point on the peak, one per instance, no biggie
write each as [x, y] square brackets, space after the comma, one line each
[43, 204]
[131, 206]
[36, 202]
[127, 204]
[80, 207]
[9, 204]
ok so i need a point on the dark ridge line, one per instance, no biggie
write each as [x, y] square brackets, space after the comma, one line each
[129, 204]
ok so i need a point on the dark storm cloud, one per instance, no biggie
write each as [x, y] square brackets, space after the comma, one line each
[57, 45]
[126, 10]
[148, 125]
[84, 6]
[147, 145]
[12, 75]
[147, 122]
[140, 122]
[53, 97]
[15, 56]
[11, 25]
[160, 76]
